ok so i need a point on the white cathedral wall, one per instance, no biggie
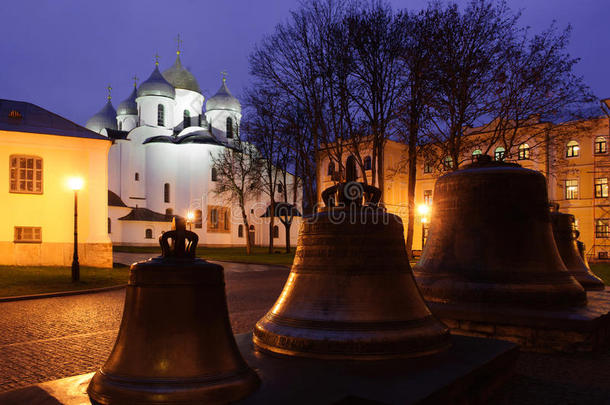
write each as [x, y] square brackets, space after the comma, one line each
[187, 100]
[126, 122]
[147, 107]
[218, 119]
[161, 167]
[134, 232]
[114, 167]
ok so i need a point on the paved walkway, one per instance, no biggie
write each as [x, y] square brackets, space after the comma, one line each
[51, 338]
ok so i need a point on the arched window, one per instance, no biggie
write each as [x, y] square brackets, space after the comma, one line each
[499, 153]
[229, 127]
[476, 153]
[109, 226]
[166, 192]
[524, 152]
[251, 228]
[214, 174]
[169, 211]
[136, 176]
[148, 233]
[240, 231]
[427, 166]
[331, 168]
[350, 169]
[601, 146]
[367, 163]
[160, 115]
[280, 188]
[198, 220]
[276, 231]
[187, 119]
[120, 125]
[199, 120]
[448, 163]
[572, 149]
[236, 130]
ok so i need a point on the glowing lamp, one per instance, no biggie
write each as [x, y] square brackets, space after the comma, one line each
[190, 216]
[76, 183]
[423, 209]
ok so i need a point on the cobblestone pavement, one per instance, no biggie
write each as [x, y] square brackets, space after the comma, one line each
[52, 338]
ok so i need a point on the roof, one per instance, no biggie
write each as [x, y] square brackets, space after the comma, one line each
[282, 209]
[200, 137]
[114, 200]
[104, 118]
[34, 119]
[180, 77]
[156, 85]
[144, 214]
[116, 134]
[129, 106]
[223, 100]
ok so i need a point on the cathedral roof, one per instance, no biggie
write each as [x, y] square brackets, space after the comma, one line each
[129, 106]
[105, 118]
[200, 137]
[180, 77]
[144, 214]
[223, 100]
[114, 200]
[156, 85]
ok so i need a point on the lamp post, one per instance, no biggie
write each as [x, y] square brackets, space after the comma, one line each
[75, 184]
[423, 210]
[189, 219]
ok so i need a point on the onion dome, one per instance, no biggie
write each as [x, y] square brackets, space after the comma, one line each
[180, 77]
[223, 100]
[105, 118]
[156, 85]
[129, 106]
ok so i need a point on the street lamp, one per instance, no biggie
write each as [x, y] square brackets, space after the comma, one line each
[189, 219]
[423, 210]
[75, 184]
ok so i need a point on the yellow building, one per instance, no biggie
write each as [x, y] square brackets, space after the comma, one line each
[41, 152]
[576, 163]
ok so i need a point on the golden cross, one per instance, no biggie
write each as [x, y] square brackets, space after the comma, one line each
[156, 59]
[178, 44]
[224, 75]
[109, 90]
[135, 81]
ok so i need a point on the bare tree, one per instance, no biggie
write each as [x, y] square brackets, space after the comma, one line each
[238, 171]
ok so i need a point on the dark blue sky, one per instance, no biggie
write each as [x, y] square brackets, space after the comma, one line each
[61, 54]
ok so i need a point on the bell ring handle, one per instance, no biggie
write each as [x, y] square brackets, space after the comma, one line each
[179, 236]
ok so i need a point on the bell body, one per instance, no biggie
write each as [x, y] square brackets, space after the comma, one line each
[175, 343]
[351, 293]
[563, 231]
[491, 242]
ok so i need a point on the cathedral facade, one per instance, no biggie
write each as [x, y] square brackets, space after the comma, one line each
[160, 164]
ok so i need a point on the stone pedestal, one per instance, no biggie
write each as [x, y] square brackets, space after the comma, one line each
[469, 372]
[582, 329]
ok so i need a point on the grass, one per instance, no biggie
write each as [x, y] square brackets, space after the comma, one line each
[602, 270]
[25, 280]
[259, 255]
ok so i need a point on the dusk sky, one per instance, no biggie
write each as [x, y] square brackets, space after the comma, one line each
[61, 54]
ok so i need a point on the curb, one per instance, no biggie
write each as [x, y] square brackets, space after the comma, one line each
[287, 266]
[62, 293]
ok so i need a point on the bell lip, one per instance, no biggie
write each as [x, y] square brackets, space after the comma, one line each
[186, 391]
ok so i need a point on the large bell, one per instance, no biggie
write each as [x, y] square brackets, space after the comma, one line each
[175, 343]
[491, 241]
[351, 293]
[565, 238]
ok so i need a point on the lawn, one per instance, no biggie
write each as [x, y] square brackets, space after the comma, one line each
[259, 255]
[602, 270]
[24, 280]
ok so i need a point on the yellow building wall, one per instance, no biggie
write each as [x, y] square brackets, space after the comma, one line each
[53, 210]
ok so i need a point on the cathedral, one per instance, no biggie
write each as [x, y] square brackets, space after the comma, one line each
[160, 163]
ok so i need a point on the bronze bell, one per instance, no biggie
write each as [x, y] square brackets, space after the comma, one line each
[351, 293]
[491, 241]
[175, 343]
[565, 238]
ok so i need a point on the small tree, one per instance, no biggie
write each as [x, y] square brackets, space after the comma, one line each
[239, 176]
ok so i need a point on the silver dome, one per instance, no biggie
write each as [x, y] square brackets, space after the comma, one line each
[223, 100]
[105, 118]
[129, 106]
[180, 77]
[156, 85]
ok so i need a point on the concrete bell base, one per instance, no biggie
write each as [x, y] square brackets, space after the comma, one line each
[583, 329]
[469, 372]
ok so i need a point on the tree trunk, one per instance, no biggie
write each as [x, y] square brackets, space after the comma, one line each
[271, 223]
[412, 157]
[247, 226]
[287, 228]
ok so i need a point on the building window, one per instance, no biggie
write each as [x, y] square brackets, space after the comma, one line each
[367, 163]
[148, 233]
[137, 177]
[427, 167]
[428, 197]
[15, 115]
[237, 130]
[448, 163]
[601, 187]
[199, 120]
[227, 224]
[169, 211]
[214, 174]
[109, 226]
[276, 231]
[600, 145]
[229, 127]
[602, 228]
[214, 218]
[524, 152]
[476, 153]
[571, 189]
[425, 228]
[166, 192]
[25, 174]
[240, 231]
[280, 188]
[198, 219]
[572, 149]
[160, 115]
[187, 119]
[331, 168]
[28, 234]
[499, 153]
[120, 125]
